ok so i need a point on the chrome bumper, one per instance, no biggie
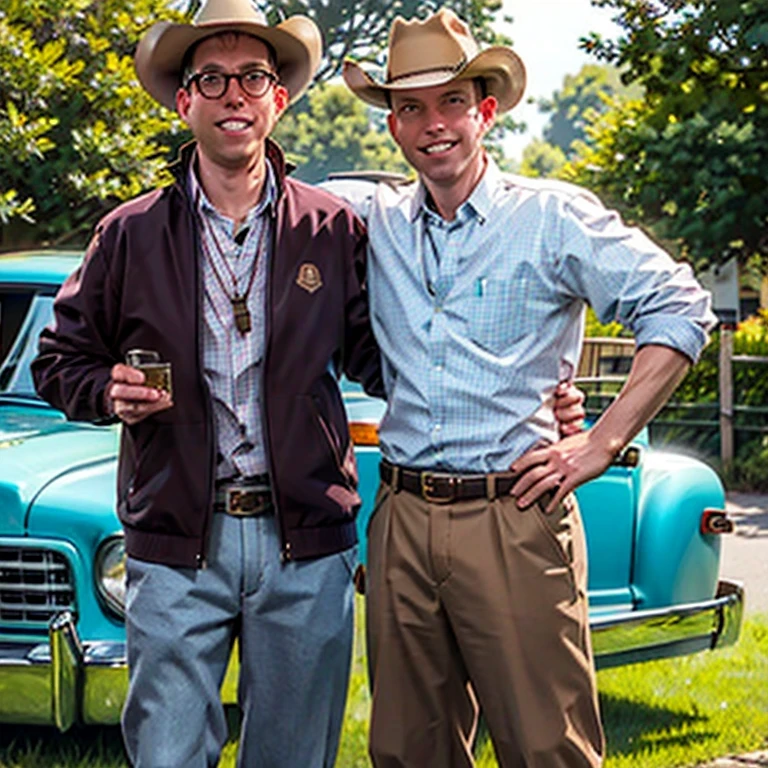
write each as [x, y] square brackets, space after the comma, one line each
[659, 633]
[65, 681]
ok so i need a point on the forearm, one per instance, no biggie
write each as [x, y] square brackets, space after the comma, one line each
[656, 371]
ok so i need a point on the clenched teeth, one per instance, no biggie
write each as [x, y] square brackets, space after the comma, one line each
[233, 125]
[443, 146]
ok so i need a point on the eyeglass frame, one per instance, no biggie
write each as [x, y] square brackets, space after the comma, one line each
[271, 78]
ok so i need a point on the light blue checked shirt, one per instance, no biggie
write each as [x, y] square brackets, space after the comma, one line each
[231, 360]
[477, 331]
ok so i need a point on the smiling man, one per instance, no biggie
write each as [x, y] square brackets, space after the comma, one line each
[238, 495]
[479, 281]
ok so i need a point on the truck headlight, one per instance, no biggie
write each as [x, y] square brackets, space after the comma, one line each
[110, 574]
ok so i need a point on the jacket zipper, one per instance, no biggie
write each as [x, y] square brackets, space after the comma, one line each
[202, 555]
[285, 544]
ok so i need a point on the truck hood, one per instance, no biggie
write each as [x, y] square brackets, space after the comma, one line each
[37, 446]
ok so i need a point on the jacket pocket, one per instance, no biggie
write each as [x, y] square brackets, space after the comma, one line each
[330, 419]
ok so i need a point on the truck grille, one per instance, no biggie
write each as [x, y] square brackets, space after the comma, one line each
[35, 584]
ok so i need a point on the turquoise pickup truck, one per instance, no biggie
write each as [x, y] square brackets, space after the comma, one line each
[654, 522]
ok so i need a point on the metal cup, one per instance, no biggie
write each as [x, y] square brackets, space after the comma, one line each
[156, 372]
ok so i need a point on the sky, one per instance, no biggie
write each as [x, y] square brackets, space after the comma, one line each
[545, 34]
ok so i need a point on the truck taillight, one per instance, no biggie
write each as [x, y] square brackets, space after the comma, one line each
[715, 521]
[364, 433]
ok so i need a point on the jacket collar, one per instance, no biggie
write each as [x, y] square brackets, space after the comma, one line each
[180, 166]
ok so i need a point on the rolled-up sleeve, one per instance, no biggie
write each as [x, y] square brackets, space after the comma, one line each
[628, 279]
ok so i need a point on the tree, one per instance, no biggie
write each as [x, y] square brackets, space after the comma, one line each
[78, 132]
[335, 133]
[582, 97]
[540, 158]
[690, 157]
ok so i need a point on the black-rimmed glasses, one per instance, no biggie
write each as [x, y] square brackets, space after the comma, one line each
[213, 85]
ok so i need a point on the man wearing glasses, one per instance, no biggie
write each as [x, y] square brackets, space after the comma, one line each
[237, 496]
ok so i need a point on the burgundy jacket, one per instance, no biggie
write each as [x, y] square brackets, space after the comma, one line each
[140, 285]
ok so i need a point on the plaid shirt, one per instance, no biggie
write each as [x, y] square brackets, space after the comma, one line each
[232, 361]
[479, 318]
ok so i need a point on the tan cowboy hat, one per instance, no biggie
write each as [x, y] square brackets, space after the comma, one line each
[160, 53]
[435, 52]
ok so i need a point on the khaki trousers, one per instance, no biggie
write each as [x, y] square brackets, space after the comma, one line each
[479, 592]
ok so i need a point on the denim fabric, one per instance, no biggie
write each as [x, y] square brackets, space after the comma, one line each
[294, 624]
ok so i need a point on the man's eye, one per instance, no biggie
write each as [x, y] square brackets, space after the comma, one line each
[210, 78]
[256, 76]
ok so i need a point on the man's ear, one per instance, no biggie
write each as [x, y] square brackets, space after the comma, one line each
[281, 98]
[487, 109]
[182, 103]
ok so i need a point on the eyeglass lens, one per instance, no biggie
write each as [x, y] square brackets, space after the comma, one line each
[213, 85]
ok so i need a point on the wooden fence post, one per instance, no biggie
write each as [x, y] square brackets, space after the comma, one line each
[726, 393]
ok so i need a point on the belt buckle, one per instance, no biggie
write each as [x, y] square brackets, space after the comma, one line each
[241, 501]
[428, 488]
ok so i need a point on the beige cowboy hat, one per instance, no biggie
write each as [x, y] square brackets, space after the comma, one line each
[435, 52]
[159, 56]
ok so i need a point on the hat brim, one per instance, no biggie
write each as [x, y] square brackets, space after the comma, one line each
[160, 53]
[500, 67]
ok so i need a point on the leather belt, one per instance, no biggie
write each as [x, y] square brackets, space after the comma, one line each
[443, 487]
[250, 497]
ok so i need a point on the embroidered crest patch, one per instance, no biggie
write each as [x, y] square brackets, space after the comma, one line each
[309, 277]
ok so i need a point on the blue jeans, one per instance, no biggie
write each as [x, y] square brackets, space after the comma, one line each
[294, 624]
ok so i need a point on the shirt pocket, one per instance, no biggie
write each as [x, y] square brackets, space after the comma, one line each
[497, 314]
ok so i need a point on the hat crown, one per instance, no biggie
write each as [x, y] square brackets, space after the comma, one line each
[442, 42]
[228, 11]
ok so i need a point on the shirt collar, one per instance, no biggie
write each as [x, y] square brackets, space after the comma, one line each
[478, 202]
[204, 205]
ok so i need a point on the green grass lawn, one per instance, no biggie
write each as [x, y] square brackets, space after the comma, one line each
[663, 714]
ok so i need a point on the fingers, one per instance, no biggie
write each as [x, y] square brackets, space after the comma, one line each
[572, 427]
[541, 482]
[134, 411]
[567, 394]
[546, 474]
[569, 408]
[131, 401]
[124, 374]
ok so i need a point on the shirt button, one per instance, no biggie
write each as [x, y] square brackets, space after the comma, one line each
[437, 427]
[438, 367]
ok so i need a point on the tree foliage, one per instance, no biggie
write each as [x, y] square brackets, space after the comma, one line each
[691, 156]
[78, 133]
[334, 133]
[542, 159]
[581, 99]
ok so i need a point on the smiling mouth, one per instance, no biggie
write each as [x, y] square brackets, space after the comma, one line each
[232, 124]
[442, 146]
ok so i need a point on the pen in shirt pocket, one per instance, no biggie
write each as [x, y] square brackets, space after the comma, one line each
[480, 286]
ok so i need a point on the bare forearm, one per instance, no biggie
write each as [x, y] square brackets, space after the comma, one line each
[565, 465]
[656, 371]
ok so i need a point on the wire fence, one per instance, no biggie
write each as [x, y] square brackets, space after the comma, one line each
[694, 427]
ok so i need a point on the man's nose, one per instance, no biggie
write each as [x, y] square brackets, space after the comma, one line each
[234, 92]
[435, 121]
